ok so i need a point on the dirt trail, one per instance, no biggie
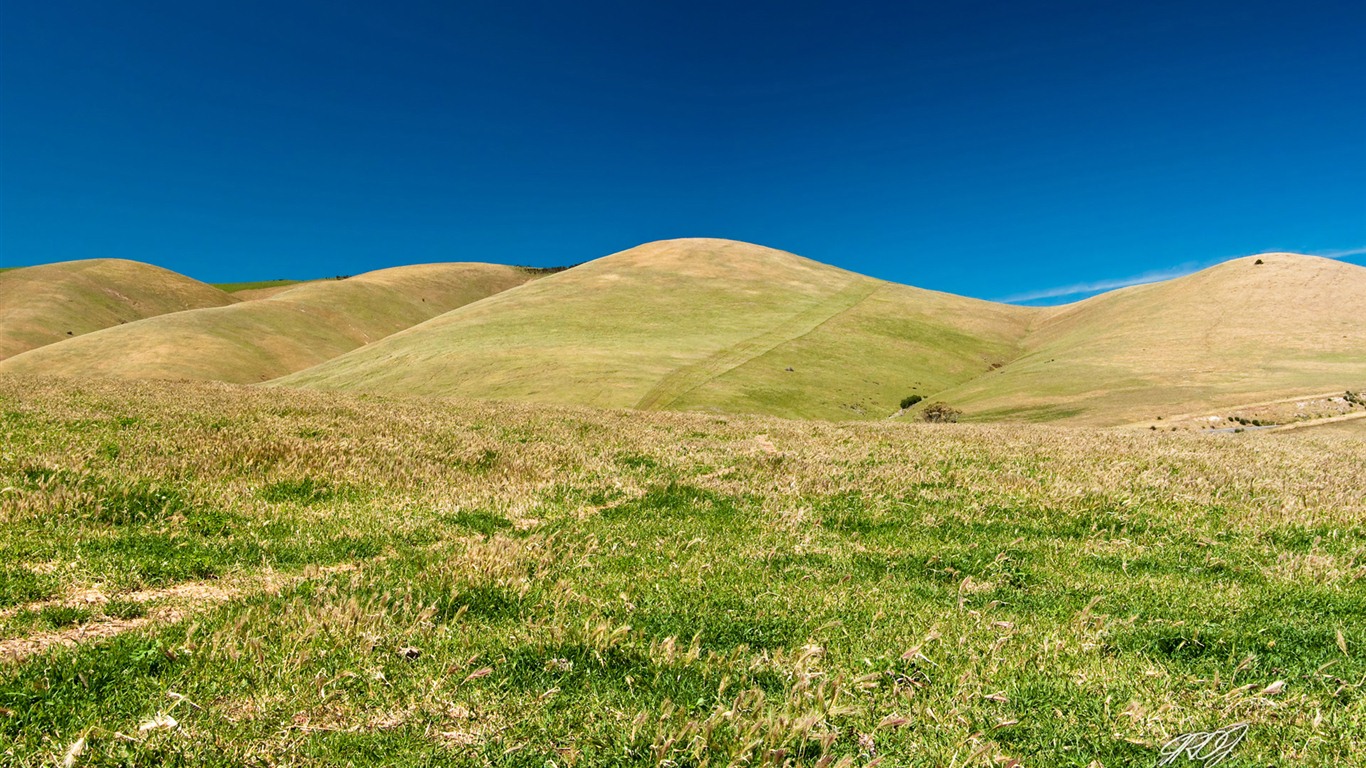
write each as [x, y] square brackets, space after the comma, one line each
[1224, 409]
[690, 377]
[174, 603]
[1319, 422]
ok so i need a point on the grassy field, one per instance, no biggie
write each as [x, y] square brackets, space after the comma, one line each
[218, 575]
[256, 340]
[54, 302]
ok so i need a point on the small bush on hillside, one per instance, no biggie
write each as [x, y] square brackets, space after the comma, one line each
[910, 400]
[941, 413]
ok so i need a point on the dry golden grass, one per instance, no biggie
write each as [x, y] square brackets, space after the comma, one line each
[53, 302]
[260, 339]
[421, 448]
[1239, 333]
[726, 327]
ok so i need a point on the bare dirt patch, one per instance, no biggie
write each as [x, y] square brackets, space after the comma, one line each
[173, 603]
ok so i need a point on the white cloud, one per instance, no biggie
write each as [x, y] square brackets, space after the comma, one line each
[1344, 253]
[1079, 289]
[1082, 290]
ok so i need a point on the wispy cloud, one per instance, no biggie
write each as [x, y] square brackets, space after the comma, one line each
[1082, 290]
[1344, 253]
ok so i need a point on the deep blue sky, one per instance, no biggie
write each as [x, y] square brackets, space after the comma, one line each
[991, 149]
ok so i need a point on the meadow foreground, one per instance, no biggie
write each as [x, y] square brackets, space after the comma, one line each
[209, 574]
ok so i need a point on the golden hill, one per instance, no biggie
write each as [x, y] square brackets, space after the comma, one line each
[260, 339]
[694, 324]
[1239, 332]
[53, 302]
[730, 327]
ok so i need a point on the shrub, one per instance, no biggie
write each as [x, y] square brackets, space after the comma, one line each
[910, 400]
[941, 413]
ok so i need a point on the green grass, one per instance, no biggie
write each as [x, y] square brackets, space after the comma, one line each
[617, 588]
[695, 324]
[249, 286]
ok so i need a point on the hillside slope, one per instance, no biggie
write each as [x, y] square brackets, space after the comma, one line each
[720, 326]
[54, 302]
[1238, 332]
[693, 324]
[256, 340]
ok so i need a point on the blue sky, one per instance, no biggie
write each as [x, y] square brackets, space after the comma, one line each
[999, 150]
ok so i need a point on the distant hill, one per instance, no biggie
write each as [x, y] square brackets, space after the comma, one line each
[728, 327]
[694, 324]
[259, 289]
[54, 302]
[1247, 330]
[261, 339]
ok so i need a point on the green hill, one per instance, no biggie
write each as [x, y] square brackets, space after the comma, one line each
[256, 340]
[53, 302]
[693, 324]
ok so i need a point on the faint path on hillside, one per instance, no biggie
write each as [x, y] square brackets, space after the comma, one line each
[689, 377]
[1318, 422]
[1225, 409]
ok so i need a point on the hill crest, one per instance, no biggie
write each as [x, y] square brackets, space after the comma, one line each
[261, 339]
[48, 303]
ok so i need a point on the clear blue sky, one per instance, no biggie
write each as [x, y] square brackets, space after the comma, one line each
[992, 149]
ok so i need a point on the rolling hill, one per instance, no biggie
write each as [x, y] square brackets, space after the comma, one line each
[726, 327]
[694, 324]
[54, 302]
[261, 339]
[1247, 330]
